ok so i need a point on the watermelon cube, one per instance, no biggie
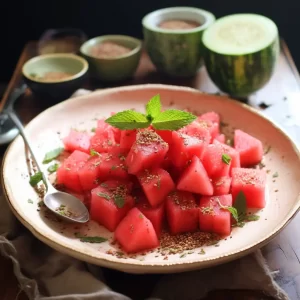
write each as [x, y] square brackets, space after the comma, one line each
[136, 233]
[148, 150]
[110, 202]
[213, 161]
[250, 148]
[221, 138]
[77, 140]
[211, 116]
[102, 142]
[154, 214]
[194, 179]
[252, 182]
[89, 173]
[213, 122]
[214, 218]
[234, 155]
[166, 163]
[200, 130]
[182, 212]
[221, 185]
[127, 139]
[157, 184]
[184, 147]
[166, 135]
[112, 167]
[102, 127]
[67, 173]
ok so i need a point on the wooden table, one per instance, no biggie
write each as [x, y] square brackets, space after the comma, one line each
[283, 253]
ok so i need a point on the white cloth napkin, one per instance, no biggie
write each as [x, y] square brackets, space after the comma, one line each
[45, 274]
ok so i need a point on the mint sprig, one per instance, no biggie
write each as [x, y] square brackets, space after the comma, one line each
[170, 119]
[239, 211]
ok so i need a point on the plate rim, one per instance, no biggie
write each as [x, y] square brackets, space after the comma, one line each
[138, 266]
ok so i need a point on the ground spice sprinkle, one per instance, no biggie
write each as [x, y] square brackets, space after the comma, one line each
[148, 137]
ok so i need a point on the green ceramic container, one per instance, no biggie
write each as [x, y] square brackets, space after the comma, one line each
[57, 89]
[114, 68]
[176, 52]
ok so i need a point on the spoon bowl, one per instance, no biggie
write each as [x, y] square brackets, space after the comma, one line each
[67, 206]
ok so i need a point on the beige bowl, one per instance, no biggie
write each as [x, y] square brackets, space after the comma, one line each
[283, 191]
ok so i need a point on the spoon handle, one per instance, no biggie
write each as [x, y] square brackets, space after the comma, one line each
[16, 93]
[19, 125]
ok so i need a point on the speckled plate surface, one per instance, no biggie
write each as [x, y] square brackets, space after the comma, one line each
[46, 129]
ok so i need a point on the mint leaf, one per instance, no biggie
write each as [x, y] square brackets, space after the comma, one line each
[252, 218]
[153, 107]
[240, 205]
[103, 195]
[128, 119]
[119, 201]
[172, 119]
[53, 168]
[231, 209]
[90, 239]
[226, 158]
[36, 178]
[94, 153]
[49, 156]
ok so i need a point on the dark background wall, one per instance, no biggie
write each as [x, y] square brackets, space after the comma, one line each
[23, 20]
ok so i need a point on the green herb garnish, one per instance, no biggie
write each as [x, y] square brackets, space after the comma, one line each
[226, 158]
[119, 201]
[171, 119]
[90, 239]
[53, 168]
[93, 129]
[103, 195]
[94, 153]
[36, 178]
[30, 201]
[202, 251]
[49, 156]
[275, 175]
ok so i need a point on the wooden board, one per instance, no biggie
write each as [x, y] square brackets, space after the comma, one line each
[283, 253]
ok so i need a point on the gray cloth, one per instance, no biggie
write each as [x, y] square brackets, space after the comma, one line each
[45, 274]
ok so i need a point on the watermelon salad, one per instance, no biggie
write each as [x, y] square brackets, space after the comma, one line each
[140, 182]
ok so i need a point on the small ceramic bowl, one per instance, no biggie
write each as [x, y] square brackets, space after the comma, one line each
[175, 50]
[113, 68]
[55, 76]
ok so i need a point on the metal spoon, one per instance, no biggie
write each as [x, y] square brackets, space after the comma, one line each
[64, 205]
[8, 130]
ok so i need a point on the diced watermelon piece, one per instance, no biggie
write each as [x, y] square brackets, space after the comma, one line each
[102, 127]
[194, 179]
[148, 150]
[213, 218]
[221, 185]
[89, 173]
[166, 163]
[157, 184]
[213, 162]
[154, 214]
[199, 130]
[182, 212]
[166, 135]
[77, 140]
[136, 233]
[221, 138]
[211, 116]
[252, 182]
[67, 173]
[128, 137]
[249, 147]
[234, 155]
[110, 203]
[103, 142]
[112, 167]
[184, 147]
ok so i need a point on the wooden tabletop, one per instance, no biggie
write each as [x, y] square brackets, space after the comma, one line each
[282, 254]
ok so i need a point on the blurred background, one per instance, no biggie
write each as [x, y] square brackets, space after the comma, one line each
[24, 20]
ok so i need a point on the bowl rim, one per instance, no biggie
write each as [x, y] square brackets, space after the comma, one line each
[209, 19]
[98, 39]
[85, 67]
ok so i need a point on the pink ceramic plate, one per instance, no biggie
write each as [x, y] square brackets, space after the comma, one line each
[82, 112]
